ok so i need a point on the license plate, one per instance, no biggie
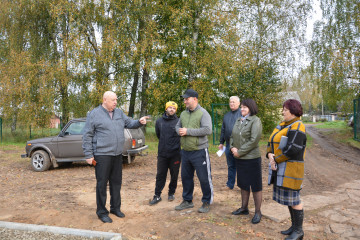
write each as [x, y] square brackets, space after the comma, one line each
[139, 141]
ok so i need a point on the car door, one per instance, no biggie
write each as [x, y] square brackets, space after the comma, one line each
[70, 141]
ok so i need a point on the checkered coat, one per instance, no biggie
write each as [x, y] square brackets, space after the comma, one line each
[290, 159]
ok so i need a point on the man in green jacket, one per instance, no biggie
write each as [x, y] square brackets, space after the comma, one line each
[194, 126]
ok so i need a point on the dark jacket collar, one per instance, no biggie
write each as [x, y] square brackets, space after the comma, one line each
[104, 109]
[166, 117]
[235, 111]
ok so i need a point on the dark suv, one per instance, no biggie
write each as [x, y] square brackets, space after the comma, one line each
[66, 147]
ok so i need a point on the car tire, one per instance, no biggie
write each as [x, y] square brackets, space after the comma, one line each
[126, 161]
[40, 161]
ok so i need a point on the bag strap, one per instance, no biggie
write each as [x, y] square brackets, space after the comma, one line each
[288, 126]
[279, 128]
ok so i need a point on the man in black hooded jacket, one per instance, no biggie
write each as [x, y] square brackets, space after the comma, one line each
[168, 152]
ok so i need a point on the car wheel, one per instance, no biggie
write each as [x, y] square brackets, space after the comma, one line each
[40, 161]
[126, 161]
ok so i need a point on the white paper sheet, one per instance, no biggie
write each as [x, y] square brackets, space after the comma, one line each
[220, 152]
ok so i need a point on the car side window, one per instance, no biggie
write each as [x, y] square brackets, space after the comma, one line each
[76, 128]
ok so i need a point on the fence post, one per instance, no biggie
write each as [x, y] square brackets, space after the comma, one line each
[213, 124]
[1, 129]
[215, 119]
[30, 130]
[355, 119]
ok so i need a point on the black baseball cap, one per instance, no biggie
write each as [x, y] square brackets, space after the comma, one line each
[190, 93]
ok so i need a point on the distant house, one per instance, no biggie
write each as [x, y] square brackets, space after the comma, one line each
[54, 122]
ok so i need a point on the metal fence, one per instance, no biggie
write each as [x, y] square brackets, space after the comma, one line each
[24, 132]
[356, 119]
[0, 129]
[218, 110]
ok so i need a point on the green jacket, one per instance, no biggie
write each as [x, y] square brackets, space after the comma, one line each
[246, 136]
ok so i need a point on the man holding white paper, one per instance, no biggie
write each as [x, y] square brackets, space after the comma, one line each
[226, 129]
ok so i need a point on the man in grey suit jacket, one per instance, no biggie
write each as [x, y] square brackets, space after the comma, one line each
[103, 142]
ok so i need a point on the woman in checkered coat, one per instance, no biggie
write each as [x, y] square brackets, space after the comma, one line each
[286, 152]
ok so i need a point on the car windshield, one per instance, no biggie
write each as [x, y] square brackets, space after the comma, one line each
[76, 128]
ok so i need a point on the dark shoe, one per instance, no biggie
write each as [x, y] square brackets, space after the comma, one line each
[291, 229]
[204, 208]
[118, 213]
[256, 219]
[288, 231]
[241, 211]
[155, 200]
[296, 235]
[171, 198]
[298, 232]
[105, 219]
[184, 205]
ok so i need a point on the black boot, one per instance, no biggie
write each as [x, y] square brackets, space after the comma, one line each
[298, 232]
[290, 230]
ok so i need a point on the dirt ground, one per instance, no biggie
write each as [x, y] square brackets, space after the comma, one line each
[65, 197]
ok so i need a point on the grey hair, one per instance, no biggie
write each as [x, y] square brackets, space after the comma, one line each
[235, 98]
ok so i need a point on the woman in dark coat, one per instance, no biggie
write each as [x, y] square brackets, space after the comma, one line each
[286, 152]
[244, 145]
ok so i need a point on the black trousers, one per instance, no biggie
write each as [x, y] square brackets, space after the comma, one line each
[163, 164]
[198, 161]
[108, 169]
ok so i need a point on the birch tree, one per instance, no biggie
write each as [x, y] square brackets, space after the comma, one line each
[335, 53]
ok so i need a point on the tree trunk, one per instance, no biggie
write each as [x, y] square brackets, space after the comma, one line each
[64, 83]
[144, 99]
[64, 103]
[100, 81]
[136, 67]
[192, 72]
[14, 121]
[133, 91]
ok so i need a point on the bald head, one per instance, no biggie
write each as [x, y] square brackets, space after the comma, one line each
[108, 94]
[109, 101]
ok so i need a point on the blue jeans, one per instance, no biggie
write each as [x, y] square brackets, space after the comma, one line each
[231, 168]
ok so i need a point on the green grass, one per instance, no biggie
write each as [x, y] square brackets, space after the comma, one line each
[309, 140]
[339, 131]
[354, 143]
[264, 139]
[332, 125]
[153, 146]
[312, 123]
[11, 146]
